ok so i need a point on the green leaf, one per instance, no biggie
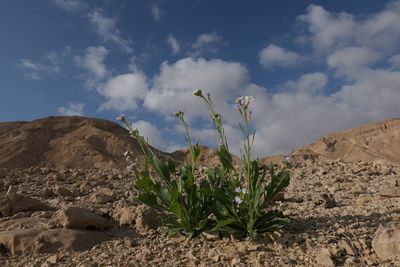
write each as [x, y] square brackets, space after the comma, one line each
[225, 158]
[278, 182]
[223, 223]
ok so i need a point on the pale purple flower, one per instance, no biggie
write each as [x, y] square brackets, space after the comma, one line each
[121, 118]
[244, 101]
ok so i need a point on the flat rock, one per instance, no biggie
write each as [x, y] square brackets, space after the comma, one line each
[79, 218]
[386, 242]
[37, 240]
[13, 203]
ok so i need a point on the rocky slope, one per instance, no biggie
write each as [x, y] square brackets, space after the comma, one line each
[65, 142]
[374, 141]
[343, 214]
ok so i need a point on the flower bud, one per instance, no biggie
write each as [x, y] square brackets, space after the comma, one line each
[198, 92]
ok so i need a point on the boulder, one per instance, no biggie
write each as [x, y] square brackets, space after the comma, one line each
[79, 218]
[141, 217]
[386, 242]
[14, 203]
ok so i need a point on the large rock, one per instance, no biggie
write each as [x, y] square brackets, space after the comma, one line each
[37, 240]
[79, 218]
[14, 203]
[386, 242]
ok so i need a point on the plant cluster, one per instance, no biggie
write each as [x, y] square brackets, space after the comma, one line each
[227, 199]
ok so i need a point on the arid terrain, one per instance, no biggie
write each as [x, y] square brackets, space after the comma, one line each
[66, 199]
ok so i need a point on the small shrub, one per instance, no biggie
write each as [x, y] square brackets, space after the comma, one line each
[228, 199]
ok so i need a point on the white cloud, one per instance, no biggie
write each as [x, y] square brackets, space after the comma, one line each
[312, 83]
[123, 91]
[288, 118]
[49, 64]
[394, 61]
[273, 55]
[93, 62]
[173, 87]
[207, 42]
[72, 109]
[331, 31]
[70, 5]
[154, 136]
[350, 61]
[156, 12]
[106, 28]
[173, 43]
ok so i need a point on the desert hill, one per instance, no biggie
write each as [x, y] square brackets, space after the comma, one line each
[370, 142]
[80, 142]
[65, 142]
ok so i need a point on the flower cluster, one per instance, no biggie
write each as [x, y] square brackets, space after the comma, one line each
[244, 102]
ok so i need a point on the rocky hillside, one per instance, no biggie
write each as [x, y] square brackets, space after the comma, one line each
[64, 142]
[371, 142]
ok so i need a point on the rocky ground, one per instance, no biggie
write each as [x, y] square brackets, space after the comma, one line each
[343, 214]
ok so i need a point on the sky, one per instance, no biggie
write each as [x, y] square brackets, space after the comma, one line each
[313, 67]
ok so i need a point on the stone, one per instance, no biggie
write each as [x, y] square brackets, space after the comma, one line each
[37, 240]
[13, 203]
[106, 191]
[344, 244]
[146, 218]
[100, 198]
[386, 242]
[79, 218]
[64, 192]
[324, 258]
[52, 259]
[3, 172]
[125, 215]
[390, 192]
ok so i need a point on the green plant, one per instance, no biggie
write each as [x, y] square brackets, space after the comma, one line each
[227, 199]
[187, 204]
[243, 196]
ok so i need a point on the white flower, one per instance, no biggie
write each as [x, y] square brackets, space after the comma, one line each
[244, 191]
[121, 118]
[131, 167]
[238, 190]
[287, 159]
[244, 101]
[238, 200]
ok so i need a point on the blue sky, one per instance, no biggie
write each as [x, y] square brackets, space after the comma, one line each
[314, 67]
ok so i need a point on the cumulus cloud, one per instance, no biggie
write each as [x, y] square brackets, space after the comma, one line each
[107, 29]
[312, 83]
[173, 87]
[275, 56]
[122, 92]
[331, 31]
[156, 12]
[93, 62]
[351, 60]
[207, 42]
[173, 43]
[154, 136]
[72, 109]
[363, 83]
